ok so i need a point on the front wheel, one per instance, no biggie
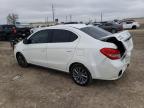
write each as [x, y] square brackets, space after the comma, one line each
[21, 60]
[80, 75]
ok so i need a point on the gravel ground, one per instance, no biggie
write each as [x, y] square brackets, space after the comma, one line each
[37, 87]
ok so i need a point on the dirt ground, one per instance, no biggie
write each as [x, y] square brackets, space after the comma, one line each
[37, 87]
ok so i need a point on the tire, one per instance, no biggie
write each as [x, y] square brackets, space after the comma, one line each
[113, 31]
[21, 60]
[80, 75]
[134, 27]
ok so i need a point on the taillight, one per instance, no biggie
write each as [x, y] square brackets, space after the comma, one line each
[111, 53]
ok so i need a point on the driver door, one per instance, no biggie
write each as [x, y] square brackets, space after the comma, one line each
[36, 51]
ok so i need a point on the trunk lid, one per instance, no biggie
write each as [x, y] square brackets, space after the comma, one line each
[124, 37]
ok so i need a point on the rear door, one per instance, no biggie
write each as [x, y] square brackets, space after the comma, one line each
[61, 50]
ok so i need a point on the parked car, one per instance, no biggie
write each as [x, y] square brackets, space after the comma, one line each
[130, 24]
[11, 32]
[34, 29]
[116, 21]
[109, 26]
[7, 32]
[86, 52]
[70, 22]
[23, 32]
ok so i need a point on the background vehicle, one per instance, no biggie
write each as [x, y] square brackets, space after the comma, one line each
[109, 26]
[34, 29]
[70, 22]
[130, 24]
[11, 32]
[86, 52]
[7, 32]
[22, 32]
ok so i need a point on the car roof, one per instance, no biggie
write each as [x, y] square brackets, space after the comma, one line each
[77, 26]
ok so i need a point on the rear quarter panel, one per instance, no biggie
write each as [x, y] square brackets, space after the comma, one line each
[88, 53]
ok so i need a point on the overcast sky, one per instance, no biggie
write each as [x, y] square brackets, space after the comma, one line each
[81, 10]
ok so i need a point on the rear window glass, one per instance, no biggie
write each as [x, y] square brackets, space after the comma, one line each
[95, 32]
[129, 22]
[63, 36]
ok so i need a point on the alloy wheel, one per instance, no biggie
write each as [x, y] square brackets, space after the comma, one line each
[80, 75]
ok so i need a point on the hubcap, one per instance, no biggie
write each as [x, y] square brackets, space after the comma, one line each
[80, 75]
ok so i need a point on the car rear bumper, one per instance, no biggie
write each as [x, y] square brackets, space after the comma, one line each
[111, 69]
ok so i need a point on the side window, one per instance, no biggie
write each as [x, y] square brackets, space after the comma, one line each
[129, 22]
[63, 36]
[73, 37]
[108, 24]
[43, 36]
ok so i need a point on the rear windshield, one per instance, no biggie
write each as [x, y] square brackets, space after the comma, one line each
[95, 32]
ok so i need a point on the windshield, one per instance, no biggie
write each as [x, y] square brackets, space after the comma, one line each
[95, 32]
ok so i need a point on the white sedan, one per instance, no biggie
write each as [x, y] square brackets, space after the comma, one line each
[86, 52]
[130, 24]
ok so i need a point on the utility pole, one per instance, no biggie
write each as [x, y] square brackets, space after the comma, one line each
[70, 18]
[47, 20]
[101, 17]
[53, 13]
[66, 18]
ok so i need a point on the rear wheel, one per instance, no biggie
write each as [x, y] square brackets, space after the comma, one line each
[134, 27]
[80, 75]
[21, 60]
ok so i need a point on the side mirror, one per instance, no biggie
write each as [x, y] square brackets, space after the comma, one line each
[26, 41]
